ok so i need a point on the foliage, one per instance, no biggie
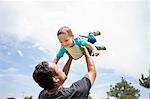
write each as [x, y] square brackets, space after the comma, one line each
[89, 97]
[123, 90]
[28, 97]
[145, 81]
[11, 98]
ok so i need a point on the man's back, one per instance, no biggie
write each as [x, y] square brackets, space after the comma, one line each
[78, 90]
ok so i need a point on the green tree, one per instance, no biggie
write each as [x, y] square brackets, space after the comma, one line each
[89, 97]
[28, 97]
[145, 81]
[123, 90]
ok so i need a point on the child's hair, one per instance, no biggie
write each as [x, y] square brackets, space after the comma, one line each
[64, 30]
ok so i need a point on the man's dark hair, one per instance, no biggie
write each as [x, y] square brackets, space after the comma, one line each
[43, 75]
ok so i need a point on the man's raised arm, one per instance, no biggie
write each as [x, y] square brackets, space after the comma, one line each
[66, 68]
[90, 66]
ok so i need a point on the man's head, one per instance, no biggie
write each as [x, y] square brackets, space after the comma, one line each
[65, 36]
[48, 75]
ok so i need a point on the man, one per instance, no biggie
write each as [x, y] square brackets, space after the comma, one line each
[51, 78]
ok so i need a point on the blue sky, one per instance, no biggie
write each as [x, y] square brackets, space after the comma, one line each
[28, 36]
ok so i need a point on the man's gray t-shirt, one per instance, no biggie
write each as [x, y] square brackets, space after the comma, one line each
[78, 90]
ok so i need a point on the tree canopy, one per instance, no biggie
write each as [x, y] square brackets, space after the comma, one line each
[123, 90]
[145, 81]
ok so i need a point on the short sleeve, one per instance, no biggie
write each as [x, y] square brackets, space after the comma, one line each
[61, 52]
[81, 88]
[80, 41]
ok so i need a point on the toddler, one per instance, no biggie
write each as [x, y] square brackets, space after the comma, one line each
[71, 44]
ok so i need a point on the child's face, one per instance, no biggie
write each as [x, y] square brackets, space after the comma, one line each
[65, 40]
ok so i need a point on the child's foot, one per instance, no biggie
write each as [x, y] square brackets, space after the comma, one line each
[96, 33]
[100, 47]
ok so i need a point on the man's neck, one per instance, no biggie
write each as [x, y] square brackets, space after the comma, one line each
[54, 89]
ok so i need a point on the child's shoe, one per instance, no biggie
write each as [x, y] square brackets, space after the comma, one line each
[96, 33]
[100, 47]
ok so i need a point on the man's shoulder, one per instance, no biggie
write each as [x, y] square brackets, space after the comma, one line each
[44, 94]
[83, 84]
[79, 89]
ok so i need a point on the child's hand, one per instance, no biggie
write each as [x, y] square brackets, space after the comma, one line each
[95, 52]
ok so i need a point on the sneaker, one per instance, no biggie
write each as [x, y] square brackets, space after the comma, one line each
[100, 47]
[96, 33]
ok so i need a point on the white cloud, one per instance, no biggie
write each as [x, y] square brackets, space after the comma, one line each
[13, 74]
[19, 82]
[9, 70]
[1, 75]
[119, 29]
[20, 52]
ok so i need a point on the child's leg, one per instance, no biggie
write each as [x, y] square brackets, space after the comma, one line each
[96, 33]
[91, 38]
[100, 47]
[97, 47]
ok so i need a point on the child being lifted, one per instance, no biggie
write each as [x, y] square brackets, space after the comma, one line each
[71, 44]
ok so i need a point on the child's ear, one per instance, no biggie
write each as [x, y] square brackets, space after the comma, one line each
[55, 80]
[72, 36]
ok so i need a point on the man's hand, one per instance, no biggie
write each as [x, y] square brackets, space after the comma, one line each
[95, 52]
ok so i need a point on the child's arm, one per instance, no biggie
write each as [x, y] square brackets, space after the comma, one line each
[95, 52]
[59, 55]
